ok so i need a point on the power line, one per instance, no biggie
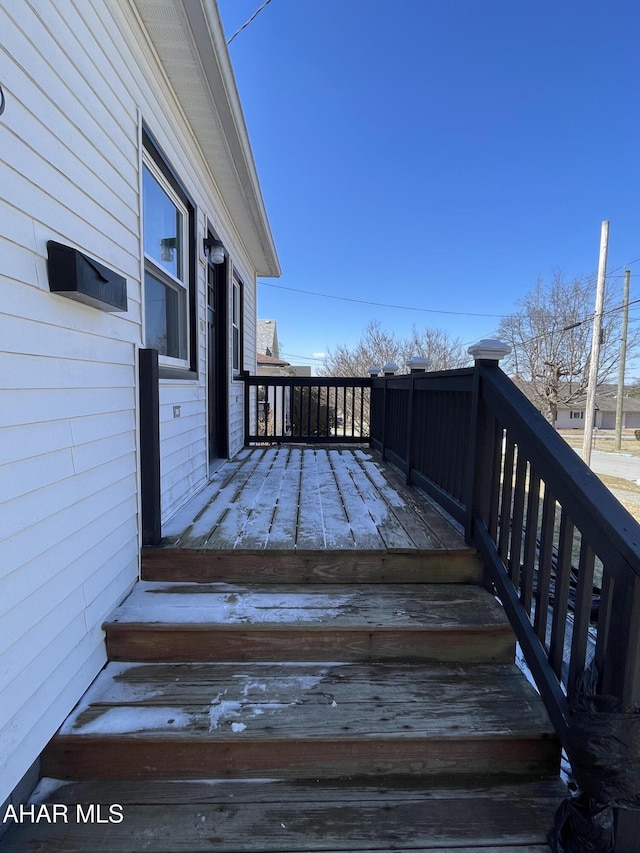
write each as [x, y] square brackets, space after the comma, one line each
[246, 23]
[378, 304]
[413, 308]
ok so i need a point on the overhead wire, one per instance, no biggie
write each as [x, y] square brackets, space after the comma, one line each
[412, 307]
[246, 23]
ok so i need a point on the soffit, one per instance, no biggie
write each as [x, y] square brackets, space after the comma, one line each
[189, 41]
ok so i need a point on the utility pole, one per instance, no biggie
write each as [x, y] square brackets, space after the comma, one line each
[623, 360]
[589, 415]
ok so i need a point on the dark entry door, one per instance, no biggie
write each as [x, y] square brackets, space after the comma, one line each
[217, 360]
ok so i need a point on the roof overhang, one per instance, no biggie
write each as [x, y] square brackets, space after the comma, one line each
[189, 41]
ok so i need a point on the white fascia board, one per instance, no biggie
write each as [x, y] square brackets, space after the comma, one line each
[212, 107]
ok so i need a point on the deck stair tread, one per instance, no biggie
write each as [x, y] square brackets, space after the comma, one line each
[278, 684]
[181, 621]
[314, 719]
[322, 607]
[294, 817]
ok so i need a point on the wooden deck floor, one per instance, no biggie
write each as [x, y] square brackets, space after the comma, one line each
[309, 499]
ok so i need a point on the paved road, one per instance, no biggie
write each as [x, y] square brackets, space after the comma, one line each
[616, 465]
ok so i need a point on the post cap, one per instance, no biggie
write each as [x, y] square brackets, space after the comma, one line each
[489, 349]
[418, 364]
[373, 371]
[390, 368]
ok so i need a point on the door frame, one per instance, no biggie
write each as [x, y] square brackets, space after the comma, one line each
[217, 287]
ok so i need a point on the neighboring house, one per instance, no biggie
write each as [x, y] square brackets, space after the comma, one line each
[274, 404]
[571, 416]
[122, 141]
[267, 338]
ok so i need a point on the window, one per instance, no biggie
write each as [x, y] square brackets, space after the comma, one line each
[169, 260]
[578, 416]
[236, 324]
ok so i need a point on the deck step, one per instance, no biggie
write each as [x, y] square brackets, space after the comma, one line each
[442, 565]
[218, 622]
[163, 721]
[283, 817]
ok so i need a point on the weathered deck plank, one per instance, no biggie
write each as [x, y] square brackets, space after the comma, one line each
[309, 499]
[213, 622]
[281, 817]
[304, 721]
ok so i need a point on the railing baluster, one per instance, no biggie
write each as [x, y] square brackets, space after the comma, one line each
[545, 565]
[582, 613]
[506, 499]
[530, 542]
[561, 593]
[515, 551]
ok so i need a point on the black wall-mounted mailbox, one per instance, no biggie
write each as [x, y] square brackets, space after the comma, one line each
[75, 275]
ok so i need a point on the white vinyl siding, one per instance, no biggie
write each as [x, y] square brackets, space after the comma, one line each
[79, 77]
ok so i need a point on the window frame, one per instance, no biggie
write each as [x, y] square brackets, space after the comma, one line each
[237, 324]
[157, 163]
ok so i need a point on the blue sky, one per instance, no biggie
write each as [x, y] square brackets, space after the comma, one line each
[437, 155]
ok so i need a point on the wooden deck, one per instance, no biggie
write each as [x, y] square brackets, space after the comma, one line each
[309, 665]
[310, 499]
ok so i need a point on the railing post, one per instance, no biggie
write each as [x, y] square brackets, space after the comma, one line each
[486, 354]
[246, 409]
[417, 366]
[387, 371]
[149, 396]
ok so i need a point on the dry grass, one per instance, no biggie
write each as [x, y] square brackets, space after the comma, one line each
[629, 444]
[620, 487]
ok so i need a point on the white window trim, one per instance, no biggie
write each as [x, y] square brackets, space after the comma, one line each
[164, 275]
[236, 315]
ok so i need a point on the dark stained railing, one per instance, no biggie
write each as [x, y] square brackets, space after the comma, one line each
[559, 550]
[420, 423]
[307, 410]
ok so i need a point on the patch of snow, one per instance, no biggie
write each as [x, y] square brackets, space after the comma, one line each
[129, 719]
[222, 708]
[227, 604]
[238, 727]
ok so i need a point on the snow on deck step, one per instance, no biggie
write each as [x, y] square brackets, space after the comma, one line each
[273, 817]
[182, 622]
[304, 721]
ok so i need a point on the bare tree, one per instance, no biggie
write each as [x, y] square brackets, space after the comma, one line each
[445, 352]
[377, 347]
[550, 337]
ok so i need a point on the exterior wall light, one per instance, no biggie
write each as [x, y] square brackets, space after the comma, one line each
[214, 250]
[167, 246]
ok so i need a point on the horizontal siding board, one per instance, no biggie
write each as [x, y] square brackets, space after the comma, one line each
[67, 210]
[28, 441]
[46, 703]
[62, 515]
[82, 167]
[68, 329]
[31, 50]
[66, 626]
[102, 425]
[103, 451]
[30, 475]
[50, 372]
[18, 406]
